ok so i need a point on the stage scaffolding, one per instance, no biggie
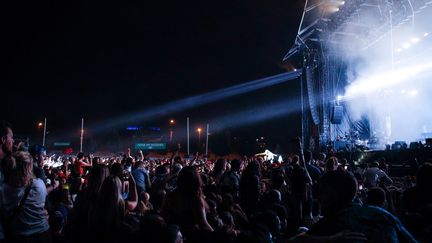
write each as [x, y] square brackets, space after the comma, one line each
[323, 26]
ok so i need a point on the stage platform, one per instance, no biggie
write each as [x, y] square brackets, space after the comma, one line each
[402, 161]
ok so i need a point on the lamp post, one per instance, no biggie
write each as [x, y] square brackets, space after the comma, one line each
[199, 137]
[43, 125]
[171, 124]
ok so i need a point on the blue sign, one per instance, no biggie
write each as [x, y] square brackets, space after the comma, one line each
[150, 146]
[133, 128]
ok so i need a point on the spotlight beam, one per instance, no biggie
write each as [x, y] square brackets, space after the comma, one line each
[258, 114]
[254, 115]
[199, 100]
[377, 82]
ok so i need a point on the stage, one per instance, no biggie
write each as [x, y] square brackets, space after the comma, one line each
[367, 67]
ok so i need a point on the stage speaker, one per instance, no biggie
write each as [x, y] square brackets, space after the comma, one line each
[399, 145]
[414, 145]
[337, 114]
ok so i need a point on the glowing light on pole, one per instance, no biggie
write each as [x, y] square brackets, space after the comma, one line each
[199, 137]
[44, 131]
[171, 122]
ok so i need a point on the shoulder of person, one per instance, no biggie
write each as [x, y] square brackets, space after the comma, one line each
[38, 183]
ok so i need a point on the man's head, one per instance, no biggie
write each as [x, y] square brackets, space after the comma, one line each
[80, 155]
[336, 190]
[38, 153]
[6, 139]
[139, 164]
[376, 196]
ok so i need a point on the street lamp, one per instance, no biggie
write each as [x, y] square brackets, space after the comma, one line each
[171, 123]
[199, 136]
[40, 126]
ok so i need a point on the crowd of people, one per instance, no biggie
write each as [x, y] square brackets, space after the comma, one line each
[304, 198]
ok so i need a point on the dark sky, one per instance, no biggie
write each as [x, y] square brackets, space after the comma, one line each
[100, 59]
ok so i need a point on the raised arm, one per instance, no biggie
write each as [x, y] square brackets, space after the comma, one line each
[132, 202]
[141, 155]
[202, 218]
[84, 164]
[128, 153]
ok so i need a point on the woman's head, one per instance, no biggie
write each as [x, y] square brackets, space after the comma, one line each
[111, 191]
[189, 181]
[219, 167]
[97, 175]
[18, 169]
[108, 212]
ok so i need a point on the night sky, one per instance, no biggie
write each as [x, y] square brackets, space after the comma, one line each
[94, 59]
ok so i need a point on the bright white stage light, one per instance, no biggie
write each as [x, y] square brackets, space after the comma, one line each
[342, 3]
[406, 45]
[332, 8]
[413, 92]
[339, 98]
[415, 40]
[426, 34]
[403, 91]
[399, 50]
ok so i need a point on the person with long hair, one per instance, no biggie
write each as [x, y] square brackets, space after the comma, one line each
[86, 199]
[186, 206]
[22, 201]
[219, 170]
[250, 187]
[109, 211]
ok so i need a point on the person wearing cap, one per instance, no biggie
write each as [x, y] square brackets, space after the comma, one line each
[38, 152]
